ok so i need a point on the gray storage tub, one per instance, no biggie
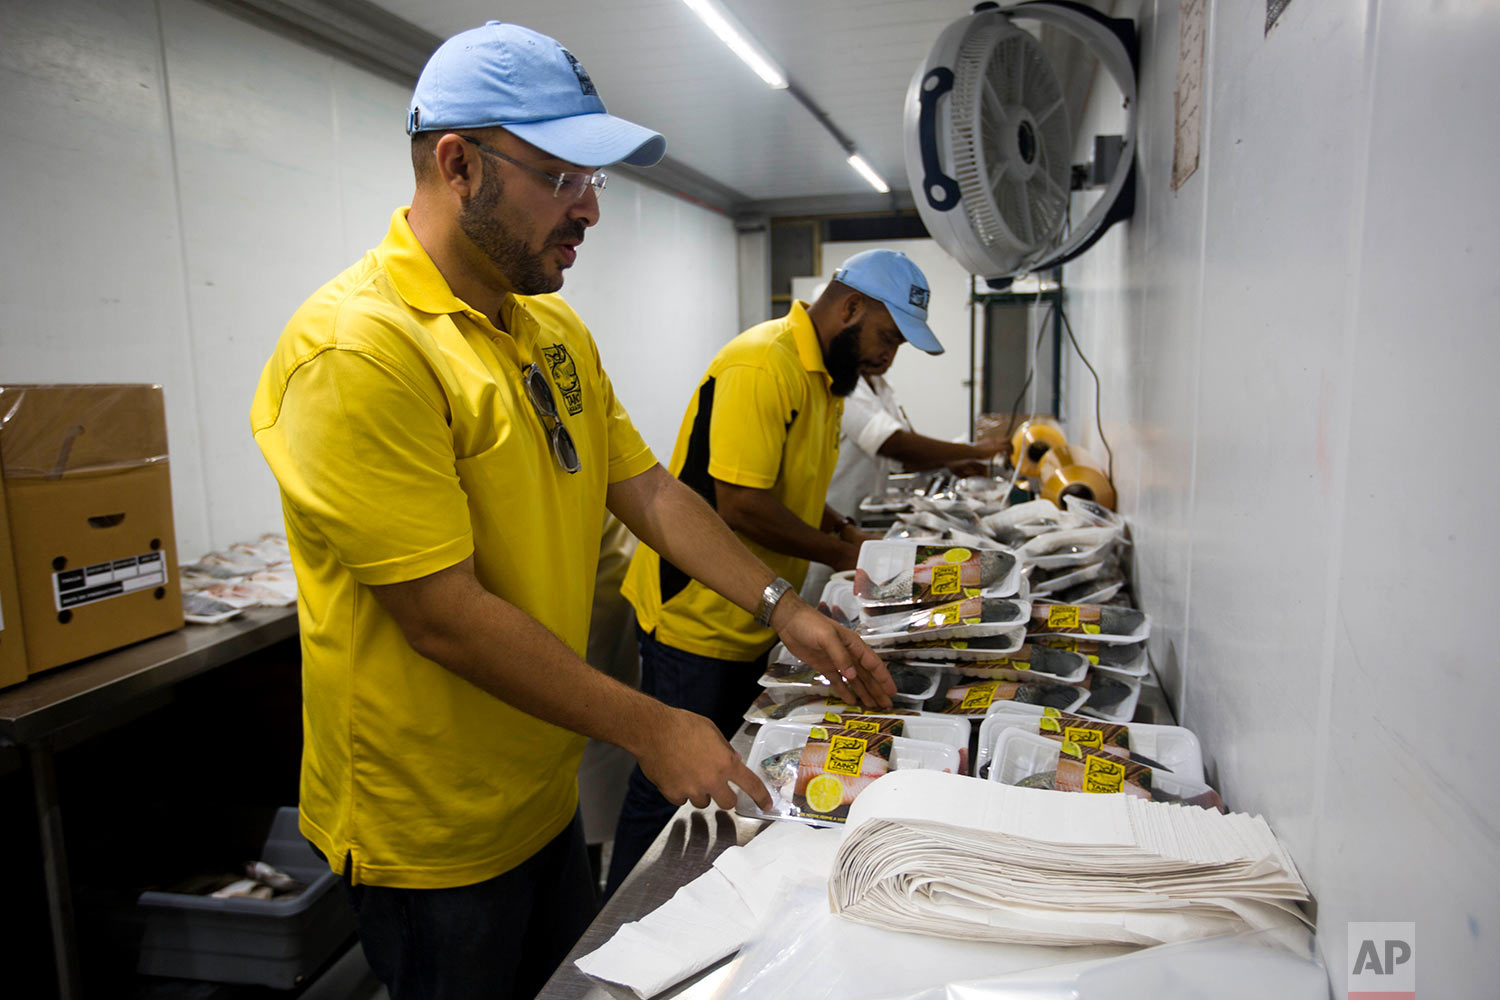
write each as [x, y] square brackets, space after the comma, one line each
[267, 942]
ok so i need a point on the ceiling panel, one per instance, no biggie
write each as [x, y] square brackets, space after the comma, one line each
[655, 63]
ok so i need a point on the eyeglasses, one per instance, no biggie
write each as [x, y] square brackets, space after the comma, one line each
[540, 392]
[570, 184]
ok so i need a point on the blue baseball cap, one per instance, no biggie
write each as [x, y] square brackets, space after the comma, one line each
[891, 277]
[507, 76]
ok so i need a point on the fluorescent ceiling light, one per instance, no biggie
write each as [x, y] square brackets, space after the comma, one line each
[863, 169]
[732, 34]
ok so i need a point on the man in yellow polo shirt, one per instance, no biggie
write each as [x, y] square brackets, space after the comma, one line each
[446, 441]
[760, 441]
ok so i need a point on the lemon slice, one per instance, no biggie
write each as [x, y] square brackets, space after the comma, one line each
[825, 793]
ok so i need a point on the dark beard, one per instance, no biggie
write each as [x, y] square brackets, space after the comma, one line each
[842, 360]
[521, 267]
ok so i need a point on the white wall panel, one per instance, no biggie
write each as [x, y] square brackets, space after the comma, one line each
[91, 287]
[183, 180]
[655, 281]
[1294, 333]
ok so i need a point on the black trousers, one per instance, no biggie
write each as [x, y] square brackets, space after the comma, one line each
[496, 939]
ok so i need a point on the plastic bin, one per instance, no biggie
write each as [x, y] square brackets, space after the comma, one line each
[265, 942]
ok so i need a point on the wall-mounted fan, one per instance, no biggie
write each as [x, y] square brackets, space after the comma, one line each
[989, 145]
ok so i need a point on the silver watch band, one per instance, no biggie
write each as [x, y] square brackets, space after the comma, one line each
[769, 598]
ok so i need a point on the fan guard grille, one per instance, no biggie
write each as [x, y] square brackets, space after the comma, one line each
[1008, 105]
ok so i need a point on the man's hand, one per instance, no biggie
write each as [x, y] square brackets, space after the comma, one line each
[688, 760]
[853, 670]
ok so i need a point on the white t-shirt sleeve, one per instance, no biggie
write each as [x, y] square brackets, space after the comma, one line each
[866, 421]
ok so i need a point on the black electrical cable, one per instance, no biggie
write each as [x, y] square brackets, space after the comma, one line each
[1015, 407]
[1097, 421]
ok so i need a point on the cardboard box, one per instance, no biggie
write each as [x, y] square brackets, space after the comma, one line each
[12, 639]
[89, 496]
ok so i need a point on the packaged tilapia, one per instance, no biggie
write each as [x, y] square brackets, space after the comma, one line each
[1161, 748]
[203, 610]
[838, 601]
[1111, 696]
[897, 573]
[1028, 662]
[983, 647]
[1100, 591]
[1015, 525]
[974, 698]
[965, 619]
[921, 526]
[1029, 760]
[814, 772]
[936, 728]
[1070, 547]
[1102, 623]
[1046, 581]
[775, 704]
[1127, 659]
[1094, 515]
[914, 685]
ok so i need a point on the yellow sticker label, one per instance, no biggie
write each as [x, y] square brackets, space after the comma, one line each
[945, 614]
[864, 725]
[1047, 725]
[1085, 737]
[958, 555]
[845, 754]
[978, 696]
[1062, 616]
[947, 579]
[1100, 774]
[825, 793]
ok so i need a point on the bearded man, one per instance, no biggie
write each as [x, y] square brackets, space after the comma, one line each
[446, 442]
[759, 442]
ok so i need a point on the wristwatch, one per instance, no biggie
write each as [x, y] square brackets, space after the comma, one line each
[769, 598]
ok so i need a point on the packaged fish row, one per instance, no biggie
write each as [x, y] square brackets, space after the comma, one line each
[246, 575]
[816, 770]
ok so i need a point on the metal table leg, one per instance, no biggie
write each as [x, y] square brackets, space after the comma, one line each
[55, 868]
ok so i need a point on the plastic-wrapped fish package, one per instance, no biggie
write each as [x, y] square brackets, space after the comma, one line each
[1030, 760]
[1126, 659]
[916, 573]
[914, 684]
[1111, 696]
[930, 726]
[776, 704]
[815, 772]
[1093, 514]
[1099, 591]
[1069, 547]
[1101, 623]
[1016, 525]
[1162, 748]
[924, 649]
[1027, 662]
[974, 698]
[924, 526]
[964, 619]
[838, 601]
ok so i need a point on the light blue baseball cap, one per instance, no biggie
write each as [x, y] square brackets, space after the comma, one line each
[526, 83]
[891, 277]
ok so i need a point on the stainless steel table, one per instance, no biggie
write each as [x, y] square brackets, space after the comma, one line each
[683, 851]
[59, 708]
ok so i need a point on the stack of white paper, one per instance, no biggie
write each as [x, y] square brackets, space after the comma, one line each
[946, 855]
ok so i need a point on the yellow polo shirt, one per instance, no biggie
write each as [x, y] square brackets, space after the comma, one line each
[762, 417]
[396, 423]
